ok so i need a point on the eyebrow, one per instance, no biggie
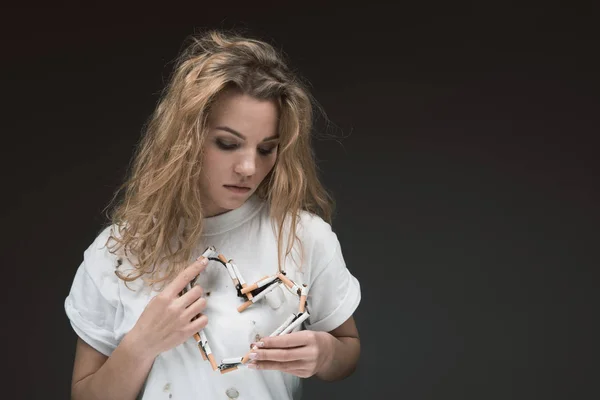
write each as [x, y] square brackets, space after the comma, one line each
[236, 133]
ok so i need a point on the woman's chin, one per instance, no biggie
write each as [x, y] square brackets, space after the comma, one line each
[232, 204]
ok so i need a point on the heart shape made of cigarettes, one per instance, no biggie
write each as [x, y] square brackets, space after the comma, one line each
[251, 294]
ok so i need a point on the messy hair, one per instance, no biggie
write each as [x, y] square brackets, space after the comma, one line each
[158, 218]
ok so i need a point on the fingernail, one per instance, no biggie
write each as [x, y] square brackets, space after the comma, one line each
[253, 356]
[252, 365]
[259, 344]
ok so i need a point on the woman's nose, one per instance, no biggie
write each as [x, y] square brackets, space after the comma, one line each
[246, 166]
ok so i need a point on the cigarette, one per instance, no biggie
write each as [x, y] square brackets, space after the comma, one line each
[202, 353]
[240, 279]
[245, 305]
[264, 292]
[229, 269]
[283, 326]
[208, 351]
[210, 251]
[262, 282]
[250, 288]
[234, 360]
[237, 273]
[199, 342]
[248, 294]
[205, 344]
[303, 294]
[205, 348]
[224, 371]
[213, 364]
[301, 308]
[295, 324]
[302, 304]
[232, 274]
[258, 297]
[246, 357]
[289, 283]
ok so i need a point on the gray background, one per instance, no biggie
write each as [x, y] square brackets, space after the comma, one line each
[463, 163]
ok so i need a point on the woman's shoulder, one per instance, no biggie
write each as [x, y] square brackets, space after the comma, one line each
[313, 224]
[99, 261]
[315, 230]
[102, 242]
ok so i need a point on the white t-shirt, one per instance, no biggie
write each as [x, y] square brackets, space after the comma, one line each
[102, 309]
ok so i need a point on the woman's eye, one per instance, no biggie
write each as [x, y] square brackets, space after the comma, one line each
[266, 152]
[226, 146]
[223, 145]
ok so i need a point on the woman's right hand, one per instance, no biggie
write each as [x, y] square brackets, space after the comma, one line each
[168, 319]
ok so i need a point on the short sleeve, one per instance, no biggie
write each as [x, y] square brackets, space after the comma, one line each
[93, 299]
[334, 292]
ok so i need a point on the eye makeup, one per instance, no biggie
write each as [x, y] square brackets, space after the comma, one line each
[230, 146]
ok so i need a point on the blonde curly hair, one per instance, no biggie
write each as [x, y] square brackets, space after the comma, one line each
[161, 190]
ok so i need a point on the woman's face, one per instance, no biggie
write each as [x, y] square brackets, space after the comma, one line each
[240, 150]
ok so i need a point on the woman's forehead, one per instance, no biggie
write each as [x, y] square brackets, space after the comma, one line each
[243, 115]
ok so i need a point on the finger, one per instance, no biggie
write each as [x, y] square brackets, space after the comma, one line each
[294, 339]
[194, 309]
[280, 355]
[186, 276]
[189, 297]
[198, 324]
[278, 366]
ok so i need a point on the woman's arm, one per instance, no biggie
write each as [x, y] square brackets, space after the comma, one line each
[344, 354]
[120, 376]
[329, 356]
[167, 321]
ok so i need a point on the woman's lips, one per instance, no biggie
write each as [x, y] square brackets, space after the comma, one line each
[237, 189]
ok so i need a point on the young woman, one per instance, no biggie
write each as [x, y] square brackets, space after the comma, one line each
[226, 161]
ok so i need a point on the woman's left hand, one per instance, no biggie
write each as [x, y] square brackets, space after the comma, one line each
[301, 353]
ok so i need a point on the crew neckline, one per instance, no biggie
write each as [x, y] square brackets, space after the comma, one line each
[232, 219]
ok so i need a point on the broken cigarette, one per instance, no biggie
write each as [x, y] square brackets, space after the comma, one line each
[294, 324]
[246, 357]
[213, 364]
[289, 283]
[245, 305]
[240, 279]
[268, 284]
[260, 283]
[283, 326]
[303, 293]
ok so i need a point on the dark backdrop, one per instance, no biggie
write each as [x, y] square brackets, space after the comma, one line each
[464, 166]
